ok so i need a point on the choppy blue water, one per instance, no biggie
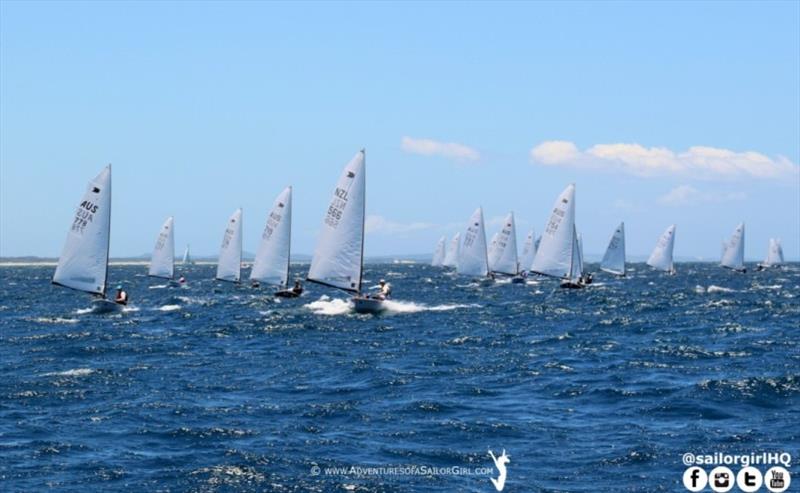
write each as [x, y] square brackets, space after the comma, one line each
[222, 388]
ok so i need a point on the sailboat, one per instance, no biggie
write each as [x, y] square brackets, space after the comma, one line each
[187, 258]
[733, 255]
[451, 257]
[439, 253]
[473, 258]
[338, 260]
[558, 252]
[504, 260]
[271, 264]
[661, 258]
[83, 264]
[614, 259]
[162, 262]
[229, 264]
[774, 255]
[528, 252]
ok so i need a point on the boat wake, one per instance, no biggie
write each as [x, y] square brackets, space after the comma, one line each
[327, 306]
[336, 306]
[169, 308]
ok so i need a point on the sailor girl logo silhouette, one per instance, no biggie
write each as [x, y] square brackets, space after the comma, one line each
[500, 464]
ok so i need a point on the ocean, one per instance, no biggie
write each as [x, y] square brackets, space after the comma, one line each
[221, 387]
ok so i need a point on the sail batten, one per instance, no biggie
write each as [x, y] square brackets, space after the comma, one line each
[554, 256]
[229, 264]
[661, 258]
[614, 259]
[473, 258]
[162, 262]
[271, 264]
[339, 255]
[83, 264]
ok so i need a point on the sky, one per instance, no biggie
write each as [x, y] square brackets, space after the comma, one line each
[660, 113]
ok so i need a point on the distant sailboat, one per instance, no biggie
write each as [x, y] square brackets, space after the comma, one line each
[661, 258]
[338, 260]
[473, 258]
[451, 258]
[187, 258]
[558, 253]
[83, 264]
[774, 255]
[490, 250]
[439, 253]
[271, 264]
[614, 259]
[229, 264]
[162, 262]
[733, 255]
[504, 260]
[528, 252]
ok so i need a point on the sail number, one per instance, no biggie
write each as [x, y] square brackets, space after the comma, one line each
[83, 216]
[336, 209]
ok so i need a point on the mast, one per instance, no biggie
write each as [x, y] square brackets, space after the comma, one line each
[108, 249]
[363, 220]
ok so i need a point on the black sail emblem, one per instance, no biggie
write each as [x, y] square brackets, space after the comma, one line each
[280, 204]
[95, 190]
[350, 174]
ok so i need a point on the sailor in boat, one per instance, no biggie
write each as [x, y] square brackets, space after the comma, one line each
[298, 288]
[385, 290]
[255, 284]
[122, 296]
[587, 278]
[182, 280]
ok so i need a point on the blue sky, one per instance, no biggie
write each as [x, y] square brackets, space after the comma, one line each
[661, 113]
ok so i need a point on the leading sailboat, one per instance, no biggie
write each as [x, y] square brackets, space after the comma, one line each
[272, 258]
[83, 264]
[338, 260]
[558, 254]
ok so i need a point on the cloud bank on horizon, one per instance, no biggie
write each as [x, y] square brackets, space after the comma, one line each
[700, 162]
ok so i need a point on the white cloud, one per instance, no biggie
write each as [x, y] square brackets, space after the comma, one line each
[698, 161]
[684, 195]
[380, 225]
[429, 147]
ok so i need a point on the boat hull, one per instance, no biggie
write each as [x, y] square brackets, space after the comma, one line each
[105, 306]
[517, 280]
[368, 305]
[570, 285]
[287, 293]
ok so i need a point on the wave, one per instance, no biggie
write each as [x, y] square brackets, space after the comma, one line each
[54, 320]
[169, 308]
[75, 372]
[336, 306]
[327, 306]
[719, 289]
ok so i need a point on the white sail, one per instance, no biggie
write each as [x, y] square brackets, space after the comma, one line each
[473, 260]
[491, 250]
[338, 258]
[439, 253]
[162, 263]
[733, 256]
[614, 258]
[505, 249]
[229, 265]
[83, 264]
[186, 258]
[451, 258]
[554, 255]
[581, 270]
[528, 251]
[661, 258]
[774, 253]
[576, 260]
[271, 264]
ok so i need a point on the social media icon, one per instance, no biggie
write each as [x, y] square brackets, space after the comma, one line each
[749, 479]
[721, 479]
[777, 479]
[695, 479]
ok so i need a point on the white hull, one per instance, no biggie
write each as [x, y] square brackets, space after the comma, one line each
[105, 306]
[368, 305]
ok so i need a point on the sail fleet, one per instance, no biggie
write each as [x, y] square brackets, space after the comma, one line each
[338, 259]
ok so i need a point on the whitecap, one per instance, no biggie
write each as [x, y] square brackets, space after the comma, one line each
[169, 308]
[75, 372]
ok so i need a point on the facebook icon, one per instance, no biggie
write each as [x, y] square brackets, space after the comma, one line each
[695, 479]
